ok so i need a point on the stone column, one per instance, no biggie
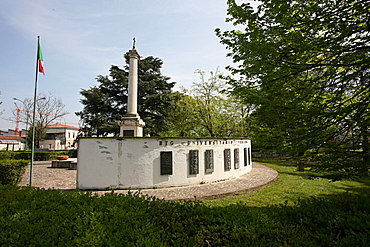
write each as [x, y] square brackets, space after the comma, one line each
[131, 124]
[132, 83]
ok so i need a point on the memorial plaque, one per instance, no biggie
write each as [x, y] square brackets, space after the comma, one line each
[166, 163]
[245, 156]
[193, 161]
[208, 161]
[236, 158]
[128, 133]
[227, 159]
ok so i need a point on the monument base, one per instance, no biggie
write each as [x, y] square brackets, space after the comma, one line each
[131, 125]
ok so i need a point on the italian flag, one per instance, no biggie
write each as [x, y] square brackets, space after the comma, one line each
[40, 59]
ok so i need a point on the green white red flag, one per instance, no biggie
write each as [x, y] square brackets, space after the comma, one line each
[40, 59]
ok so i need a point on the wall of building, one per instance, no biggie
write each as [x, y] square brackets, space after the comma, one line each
[11, 145]
[147, 162]
[60, 138]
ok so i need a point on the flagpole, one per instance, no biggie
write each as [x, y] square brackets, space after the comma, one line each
[34, 111]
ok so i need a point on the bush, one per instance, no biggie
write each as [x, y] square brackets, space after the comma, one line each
[36, 217]
[7, 155]
[72, 153]
[11, 171]
[39, 155]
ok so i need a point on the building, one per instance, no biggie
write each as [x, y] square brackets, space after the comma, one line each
[12, 142]
[60, 136]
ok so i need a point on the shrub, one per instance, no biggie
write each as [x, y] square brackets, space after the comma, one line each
[72, 153]
[36, 217]
[11, 171]
[7, 155]
[39, 155]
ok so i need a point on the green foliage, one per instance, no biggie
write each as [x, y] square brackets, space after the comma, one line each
[72, 153]
[30, 216]
[11, 171]
[40, 134]
[7, 155]
[39, 155]
[106, 103]
[207, 110]
[218, 113]
[304, 64]
[180, 116]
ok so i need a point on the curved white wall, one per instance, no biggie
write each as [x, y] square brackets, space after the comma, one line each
[145, 162]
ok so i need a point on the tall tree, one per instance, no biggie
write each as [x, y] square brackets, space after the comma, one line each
[305, 64]
[49, 109]
[207, 110]
[181, 116]
[218, 113]
[105, 104]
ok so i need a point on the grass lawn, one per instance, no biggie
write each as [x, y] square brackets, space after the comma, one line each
[292, 186]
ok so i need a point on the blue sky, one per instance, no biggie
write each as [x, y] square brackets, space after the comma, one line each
[82, 39]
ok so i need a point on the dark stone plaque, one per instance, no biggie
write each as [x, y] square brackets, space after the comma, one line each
[227, 159]
[208, 161]
[166, 163]
[236, 158]
[245, 156]
[193, 161]
[128, 133]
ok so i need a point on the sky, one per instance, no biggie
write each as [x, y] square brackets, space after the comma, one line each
[81, 39]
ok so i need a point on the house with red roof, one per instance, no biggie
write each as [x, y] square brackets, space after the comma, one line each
[60, 136]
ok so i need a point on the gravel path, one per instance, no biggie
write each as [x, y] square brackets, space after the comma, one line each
[64, 179]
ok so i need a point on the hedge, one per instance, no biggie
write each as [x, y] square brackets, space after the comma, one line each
[39, 155]
[11, 171]
[7, 155]
[36, 217]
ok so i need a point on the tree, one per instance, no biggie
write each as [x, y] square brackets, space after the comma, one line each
[218, 113]
[206, 110]
[181, 116]
[305, 64]
[105, 104]
[48, 109]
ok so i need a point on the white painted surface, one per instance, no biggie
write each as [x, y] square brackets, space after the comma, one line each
[132, 82]
[122, 163]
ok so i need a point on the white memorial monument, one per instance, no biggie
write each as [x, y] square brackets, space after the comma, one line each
[131, 124]
[133, 161]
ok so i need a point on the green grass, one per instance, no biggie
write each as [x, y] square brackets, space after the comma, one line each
[292, 186]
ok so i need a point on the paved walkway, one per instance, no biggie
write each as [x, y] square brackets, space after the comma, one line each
[64, 179]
